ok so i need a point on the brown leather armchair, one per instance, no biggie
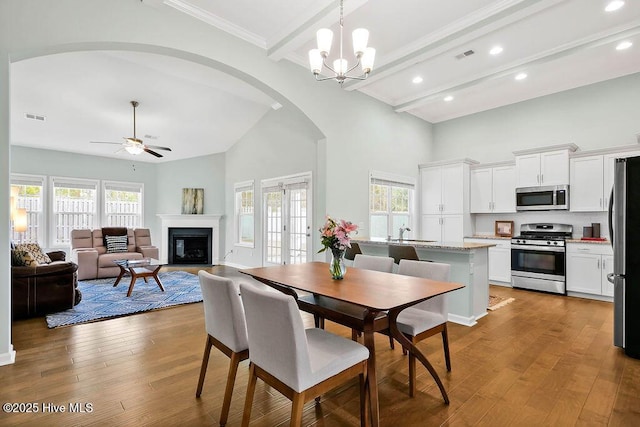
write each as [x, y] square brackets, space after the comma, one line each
[44, 289]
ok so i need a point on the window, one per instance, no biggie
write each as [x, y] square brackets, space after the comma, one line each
[244, 214]
[74, 206]
[28, 193]
[390, 204]
[123, 204]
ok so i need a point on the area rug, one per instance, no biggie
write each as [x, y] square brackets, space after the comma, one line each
[100, 300]
[495, 302]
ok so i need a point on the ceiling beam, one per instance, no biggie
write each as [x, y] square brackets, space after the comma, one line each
[324, 14]
[466, 29]
[596, 40]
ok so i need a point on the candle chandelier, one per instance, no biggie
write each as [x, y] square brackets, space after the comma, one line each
[340, 70]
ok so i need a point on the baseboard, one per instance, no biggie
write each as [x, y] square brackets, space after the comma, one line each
[9, 357]
[466, 321]
[234, 265]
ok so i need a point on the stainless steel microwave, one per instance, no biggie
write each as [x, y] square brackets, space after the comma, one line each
[549, 198]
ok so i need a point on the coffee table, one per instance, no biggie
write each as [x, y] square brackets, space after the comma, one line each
[139, 268]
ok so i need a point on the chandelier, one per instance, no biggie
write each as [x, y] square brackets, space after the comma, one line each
[364, 55]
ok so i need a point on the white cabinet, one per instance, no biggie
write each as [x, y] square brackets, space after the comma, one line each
[586, 190]
[499, 259]
[443, 189]
[442, 228]
[444, 201]
[592, 180]
[492, 190]
[542, 169]
[587, 268]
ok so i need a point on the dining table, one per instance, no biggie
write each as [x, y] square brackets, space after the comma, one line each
[365, 300]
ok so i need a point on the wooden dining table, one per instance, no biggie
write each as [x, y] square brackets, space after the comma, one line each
[365, 300]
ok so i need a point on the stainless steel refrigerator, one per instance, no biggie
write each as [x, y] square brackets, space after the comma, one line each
[624, 229]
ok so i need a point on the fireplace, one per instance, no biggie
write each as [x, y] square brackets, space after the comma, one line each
[189, 221]
[189, 245]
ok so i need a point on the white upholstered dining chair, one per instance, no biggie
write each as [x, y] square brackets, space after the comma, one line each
[301, 364]
[428, 317]
[372, 262]
[226, 330]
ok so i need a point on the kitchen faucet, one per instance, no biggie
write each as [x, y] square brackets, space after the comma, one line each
[402, 230]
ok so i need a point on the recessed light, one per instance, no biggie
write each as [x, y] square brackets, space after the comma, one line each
[624, 45]
[417, 79]
[448, 98]
[614, 5]
[521, 76]
[495, 50]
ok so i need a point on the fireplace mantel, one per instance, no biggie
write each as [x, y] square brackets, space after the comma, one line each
[190, 221]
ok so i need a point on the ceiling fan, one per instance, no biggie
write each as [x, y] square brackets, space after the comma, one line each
[134, 145]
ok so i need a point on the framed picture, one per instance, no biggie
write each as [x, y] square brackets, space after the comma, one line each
[504, 228]
[192, 201]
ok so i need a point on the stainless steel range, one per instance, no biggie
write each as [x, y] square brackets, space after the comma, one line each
[538, 257]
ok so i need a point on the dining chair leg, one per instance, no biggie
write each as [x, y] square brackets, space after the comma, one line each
[364, 398]
[251, 388]
[445, 344]
[354, 335]
[391, 344]
[412, 375]
[205, 363]
[297, 405]
[228, 392]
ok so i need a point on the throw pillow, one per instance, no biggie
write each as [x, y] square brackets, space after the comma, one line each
[116, 244]
[21, 258]
[36, 251]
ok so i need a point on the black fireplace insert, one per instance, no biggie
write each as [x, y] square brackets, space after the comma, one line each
[190, 245]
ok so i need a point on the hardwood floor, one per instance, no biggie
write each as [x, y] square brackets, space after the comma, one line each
[543, 360]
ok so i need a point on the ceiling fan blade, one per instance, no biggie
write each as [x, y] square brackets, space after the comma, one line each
[158, 147]
[105, 142]
[152, 152]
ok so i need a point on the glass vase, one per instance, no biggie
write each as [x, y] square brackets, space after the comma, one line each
[336, 266]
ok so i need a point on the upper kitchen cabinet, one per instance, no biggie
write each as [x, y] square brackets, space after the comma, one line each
[543, 167]
[592, 178]
[444, 187]
[493, 189]
[444, 200]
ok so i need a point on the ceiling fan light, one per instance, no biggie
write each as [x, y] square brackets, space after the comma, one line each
[134, 149]
[360, 40]
[324, 37]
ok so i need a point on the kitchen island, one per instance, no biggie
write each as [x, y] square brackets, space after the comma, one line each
[469, 266]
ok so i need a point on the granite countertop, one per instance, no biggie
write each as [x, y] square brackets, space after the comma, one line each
[591, 242]
[427, 244]
[486, 236]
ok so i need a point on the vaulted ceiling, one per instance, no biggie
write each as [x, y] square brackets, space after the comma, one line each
[433, 60]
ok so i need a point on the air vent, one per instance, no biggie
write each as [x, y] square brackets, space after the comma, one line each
[150, 137]
[34, 117]
[465, 54]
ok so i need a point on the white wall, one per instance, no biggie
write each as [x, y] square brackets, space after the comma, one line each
[279, 145]
[358, 132]
[206, 172]
[596, 116]
[57, 163]
[602, 115]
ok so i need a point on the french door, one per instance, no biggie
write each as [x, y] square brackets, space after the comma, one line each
[287, 220]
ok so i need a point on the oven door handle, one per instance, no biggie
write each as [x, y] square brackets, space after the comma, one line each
[538, 248]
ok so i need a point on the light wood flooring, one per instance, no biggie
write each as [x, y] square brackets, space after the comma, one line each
[543, 360]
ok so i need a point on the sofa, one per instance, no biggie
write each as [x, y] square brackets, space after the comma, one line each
[95, 250]
[39, 288]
